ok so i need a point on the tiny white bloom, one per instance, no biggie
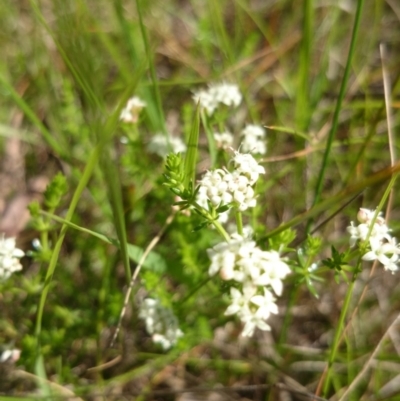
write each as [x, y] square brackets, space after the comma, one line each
[162, 146]
[206, 100]
[160, 323]
[386, 253]
[130, 114]
[266, 304]
[223, 140]
[383, 246]
[228, 94]
[241, 261]
[247, 165]
[254, 140]
[209, 99]
[9, 257]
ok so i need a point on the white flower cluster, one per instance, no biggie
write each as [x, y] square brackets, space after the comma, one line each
[202, 199]
[162, 146]
[257, 273]
[9, 257]
[383, 246]
[130, 113]
[223, 140]
[222, 187]
[254, 140]
[211, 98]
[160, 322]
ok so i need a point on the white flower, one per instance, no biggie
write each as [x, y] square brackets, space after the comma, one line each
[222, 187]
[240, 301]
[223, 140]
[162, 146]
[223, 258]
[241, 260]
[160, 323]
[266, 304]
[248, 166]
[256, 272]
[251, 322]
[9, 257]
[227, 94]
[386, 252]
[272, 270]
[379, 231]
[206, 99]
[254, 140]
[130, 114]
[367, 215]
[254, 130]
[251, 308]
[202, 198]
[383, 247]
[215, 184]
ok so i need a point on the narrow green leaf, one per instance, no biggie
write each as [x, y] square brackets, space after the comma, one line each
[212, 147]
[192, 151]
[111, 176]
[152, 68]
[154, 260]
[338, 107]
[31, 115]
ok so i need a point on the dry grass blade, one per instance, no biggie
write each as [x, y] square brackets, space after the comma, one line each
[370, 361]
[152, 244]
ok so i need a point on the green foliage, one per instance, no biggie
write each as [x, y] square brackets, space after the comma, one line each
[66, 72]
[337, 261]
[55, 191]
[153, 261]
[282, 240]
[175, 176]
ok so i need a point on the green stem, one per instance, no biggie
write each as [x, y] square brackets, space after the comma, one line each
[93, 160]
[152, 69]
[221, 230]
[303, 91]
[338, 333]
[212, 149]
[239, 222]
[335, 122]
[294, 293]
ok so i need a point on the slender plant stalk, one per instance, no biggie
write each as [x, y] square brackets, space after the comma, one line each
[111, 175]
[342, 196]
[93, 160]
[239, 222]
[368, 365]
[212, 149]
[221, 230]
[338, 332]
[152, 244]
[151, 68]
[293, 296]
[304, 84]
[335, 122]
[71, 66]
[30, 114]
[219, 27]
